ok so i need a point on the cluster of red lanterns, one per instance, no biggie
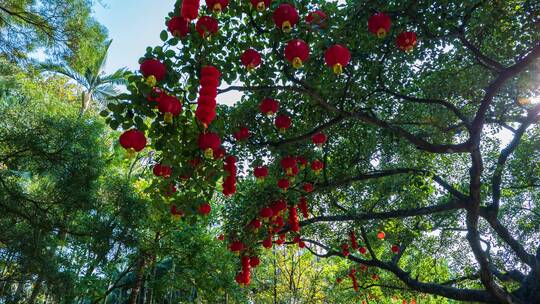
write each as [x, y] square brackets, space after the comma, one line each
[229, 184]
[206, 104]
[243, 278]
[380, 23]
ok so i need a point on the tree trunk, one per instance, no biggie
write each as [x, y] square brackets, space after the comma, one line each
[36, 289]
[138, 280]
[152, 277]
[86, 100]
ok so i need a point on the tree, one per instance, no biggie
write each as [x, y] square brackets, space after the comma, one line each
[62, 29]
[414, 133]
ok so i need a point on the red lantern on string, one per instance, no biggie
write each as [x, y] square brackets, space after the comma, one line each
[190, 9]
[205, 209]
[319, 139]
[209, 142]
[395, 249]
[406, 41]
[381, 235]
[206, 26]
[153, 71]
[162, 171]
[379, 24]
[283, 122]
[317, 166]
[289, 165]
[217, 6]
[260, 5]
[250, 59]
[297, 52]
[206, 104]
[205, 114]
[345, 250]
[362, 250]
[254, 261]
[308, 187]
[267, 242]
[354, 243]
[302, 161]
[260, 173]
[178, 26]
[219, 153]
[269, 106]
[337, 57]
[255, 224]
[286, 17]
[176, 212]
[317, 18]
[170, 107]
[284, 184]
[237, 246]
[303, 206]
[242, 134]
[293, 219]
[266, 213]
[133, 141]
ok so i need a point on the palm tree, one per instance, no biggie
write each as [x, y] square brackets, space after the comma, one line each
[96, 85]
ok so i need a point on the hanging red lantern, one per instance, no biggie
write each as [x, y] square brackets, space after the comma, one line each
[242, 134]
[293, 219]
[406, 41]
[250, 59]
[162, 171]
[317, 166]
[153, 71]
[303, 206]
[221, 237]
[260, 173]
[206, 104]
[267, 242]
[219, 153]
[266, 213]
[375, 277]
[170, 107]
[319, 139]
[240, 278]
[308, 187]
[395, 249]
[337, 57]
[345, 250]
[284, 184]
[205, 115]
[381, 235]
[176, 212]
[379, 24]
[229, 184]
[178, 26]
[133, 141]
[297, 52]
[190, 9]
[205, 209]
[209, 142]
[255, 224]
[281, 239]
[217, 6]
[285, 17]
[170, 190]
[302, 161]
[260, 5]
[317, 18]
[237, 246]
[289, 165]
[301, 244]
[206, 26]
[254, 261]
[278, 206]
[362, 250]
[269, 106]
[339, 280]
[283, 122]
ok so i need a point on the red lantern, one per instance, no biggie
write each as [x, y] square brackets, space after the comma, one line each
[281, 239]
[339, 280]
[283, 184]
[205, 209]
[267, 243]
[395, 249]
[286, 17]
[302, 161]
[319, 139]
[153, 71]
[317, 18]
[221, 237]
[254, 261]
[250, 59]
[133, 140]
[219, 153]
[301, 244]
[209, 142]
[242, 134]
[178, 26]
[260, 5]
[162, 170]
[297, 52]
[269, 106]
[206, 26]
[362, 250]
[379, 24]
[337, 57]
[190, 9]
[260, 172]
[308, 187]
[381, 235]
[303, 207]
[278, 206]
[266, 213]
[217, 5]
[255, 224]
[289, 165]
[170, 190]
[317, 166]
[375, 277]
[293, 219]
[240, 278]
[345, 250]
[206, 104]
[237, 246]
[406, 41]
[283, 122]
[170, 107]
[229, 185]
[176, 212]
[205, 115]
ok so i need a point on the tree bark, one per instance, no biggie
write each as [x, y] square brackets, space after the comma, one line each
[138, 280]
